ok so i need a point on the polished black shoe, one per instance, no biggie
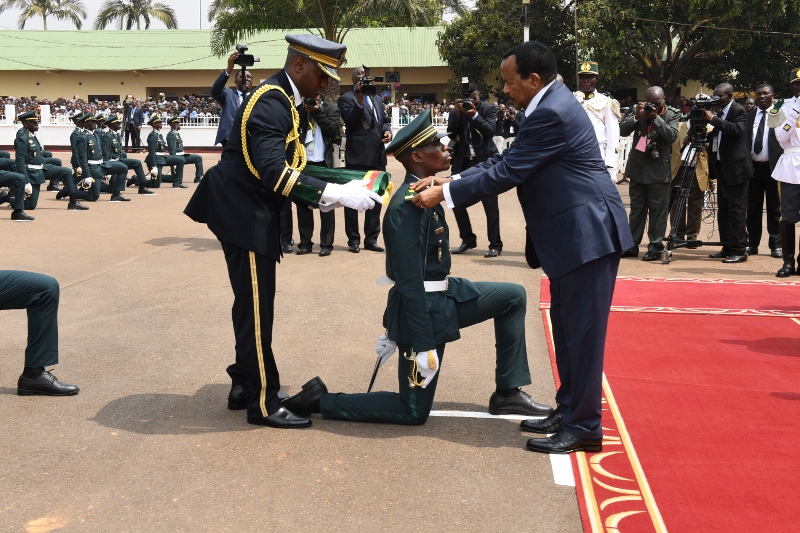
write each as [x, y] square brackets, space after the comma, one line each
[46, 384]
[62, 194]
[493, 252]
[519, 404]
[287, 248]
[373, 248]
[179, 186]
[119, 198]
[237, 397]
[21, 216]
[77, 206]
[630, 253]
[145, 190]
[354, 248]
[131, 182]
[786, 270]
[303, 402]
[282, 418]
[197, 180]
[735, 259]
[463, 248]
[53, 188]
[550, 424]
[652, 255]
[563, 442]
[777, 253]
[4, 198]
[752, 251]
[722, 254]
[303, 251]
[325, 252]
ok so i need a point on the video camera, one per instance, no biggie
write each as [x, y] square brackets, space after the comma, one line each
[467, 102]
[697, 114]
[367, 83]
[245, 60]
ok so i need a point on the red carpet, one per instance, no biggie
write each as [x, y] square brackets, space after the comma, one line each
[703, 409]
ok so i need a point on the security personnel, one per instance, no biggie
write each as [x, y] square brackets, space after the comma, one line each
[240, 200]
[158, 156]
[78, 141]
[426, 308]
[114, 170]
[112, 146]
[175, 146]
[30, 160]
[603, 111]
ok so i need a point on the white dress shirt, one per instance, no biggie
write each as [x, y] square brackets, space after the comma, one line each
[762, 157]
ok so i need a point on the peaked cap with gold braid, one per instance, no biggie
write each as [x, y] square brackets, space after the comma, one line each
[327, 55]
[419, 132]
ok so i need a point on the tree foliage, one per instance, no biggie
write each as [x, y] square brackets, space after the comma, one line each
[126, 13]
[72, 10]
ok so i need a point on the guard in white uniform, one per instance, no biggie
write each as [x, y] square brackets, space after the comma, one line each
[604, 113]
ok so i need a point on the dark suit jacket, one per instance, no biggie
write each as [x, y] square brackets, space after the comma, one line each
[734, 150]
[327, 118]
[240, 208]
[573, 212]
[481, 130]
[138, 118]
[229, 100]
[504, 126]
[773, 146]
[364, 147]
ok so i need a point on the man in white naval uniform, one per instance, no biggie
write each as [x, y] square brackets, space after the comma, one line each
[604, 113]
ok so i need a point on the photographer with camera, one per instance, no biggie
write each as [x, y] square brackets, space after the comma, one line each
[471, 125]
[229, 99]
[507, 122]
[655, 128]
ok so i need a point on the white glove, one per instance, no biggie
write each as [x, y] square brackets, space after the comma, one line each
[28, 189]
[385, 349]
[353, 194]
[324, 207]
[427, 366]
[87, 182]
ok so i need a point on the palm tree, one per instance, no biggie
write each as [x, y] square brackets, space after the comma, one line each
[73, 10]
[130, 12]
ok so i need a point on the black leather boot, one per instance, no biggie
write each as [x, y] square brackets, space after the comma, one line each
[787, 244]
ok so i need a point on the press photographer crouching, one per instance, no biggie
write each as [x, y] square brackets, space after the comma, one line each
[655, 128]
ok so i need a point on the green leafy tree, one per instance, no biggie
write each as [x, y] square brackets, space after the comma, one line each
[127, 13]
[72, 10]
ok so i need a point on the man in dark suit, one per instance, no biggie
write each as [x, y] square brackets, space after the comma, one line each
[240, 200]
[730, 157]
[576, 231]
[764, 152]
[368, 128]
[472, 128]
[133, 124]
[230, 99]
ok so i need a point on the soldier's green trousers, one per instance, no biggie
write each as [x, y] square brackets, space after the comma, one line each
[38, 294]
[176, 162]
[503, 302]
[53, 174]
[197, 161]
[16, 185]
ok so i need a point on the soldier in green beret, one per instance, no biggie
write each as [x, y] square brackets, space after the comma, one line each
[78, 144]
[30, 161]
[114, 171]
[175, 145]
[158, 156]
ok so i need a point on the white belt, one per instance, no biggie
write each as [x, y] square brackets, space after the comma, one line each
[161, 153]
[180, 153]
[430, 286]
[36, 167]
[114, 159]
[791, 150]
[95, 161]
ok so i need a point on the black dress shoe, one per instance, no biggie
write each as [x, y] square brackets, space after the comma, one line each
[373, 248]
[131, 182]
[551, 424]
[46, 384]
[493, 252]
[325, 252]
[652, 255]
[53, 188]
[306, 401]
[777, 253]
[119, 198]
[145, 190]
[786, 270]
[353, 248]
[77, 206]
[287, 248]
[21, 216]
[735, 259]
[179, 186]
[4, 198]
[563, 442]
[62, 194]
[237, 397]
[197, 180]
[463, 248]
[752, 251]
[303, 251]
[519, 404]
[282, 418]
[630, 253]
[722, 254]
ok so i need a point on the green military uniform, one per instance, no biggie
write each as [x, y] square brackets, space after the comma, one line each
[16, 185]
[116, 170]
[175, 146]
[158, 156]
[6, 163]
[30, 161]
[86, 159]
[39, 295]
[422, 314]
[650, 179]
[4, 155]
[112, 148]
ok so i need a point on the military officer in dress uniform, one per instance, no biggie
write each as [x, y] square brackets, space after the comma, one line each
[90, 177]
[112, 146]
[240, 200]
[30, 160]
[603, 111]
[175, 146]
[78, 141]
[158, 156]
[426, 308]
[114, 171]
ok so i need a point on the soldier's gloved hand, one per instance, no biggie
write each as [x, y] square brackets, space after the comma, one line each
[87, 182]
[325, 207]
[28, 190]
[427, 366]
[385, 349]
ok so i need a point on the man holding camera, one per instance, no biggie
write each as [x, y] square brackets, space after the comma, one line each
[471, 126]
[368, 129]
[603, 112]
[229, 99]
[655, 128]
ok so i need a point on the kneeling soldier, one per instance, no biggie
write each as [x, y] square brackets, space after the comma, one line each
[115, 170]
[78, 141]
[30, 160]
[175, 145]
[426, 308]
[17, 184]
[112, 145]
[158, 156]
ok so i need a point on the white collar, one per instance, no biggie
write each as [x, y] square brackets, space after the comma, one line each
[298, 99]
[536, 99]
[758, 109]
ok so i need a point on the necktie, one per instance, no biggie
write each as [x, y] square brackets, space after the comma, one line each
[759, 142]
[368, 101]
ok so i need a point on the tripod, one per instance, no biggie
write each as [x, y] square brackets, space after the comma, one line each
[680, 194]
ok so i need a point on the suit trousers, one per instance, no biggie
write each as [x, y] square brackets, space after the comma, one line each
[372, 220]
[579, 309]
[38, 295]
[689, 224]
[490, 207]
[506, 303]
[732, 215]
[650, 204]
[252, 278]
[763, 184]
[16, 184]
[132, 134]
[790, 203]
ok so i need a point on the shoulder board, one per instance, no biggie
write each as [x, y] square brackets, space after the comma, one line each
[776, 106]
[776, 115]
[615, 107]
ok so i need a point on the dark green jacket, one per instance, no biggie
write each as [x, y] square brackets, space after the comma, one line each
[28, 152]
[417, 250]
[78, 141]
[174, 142]
[664, 130]
[155, 144]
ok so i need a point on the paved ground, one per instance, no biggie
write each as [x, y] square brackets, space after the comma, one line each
[148, 444]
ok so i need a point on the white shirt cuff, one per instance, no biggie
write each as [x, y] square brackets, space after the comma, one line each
[446, 193]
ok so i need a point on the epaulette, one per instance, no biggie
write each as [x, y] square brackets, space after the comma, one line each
[776, 115]
[614, 106]
[409, 195]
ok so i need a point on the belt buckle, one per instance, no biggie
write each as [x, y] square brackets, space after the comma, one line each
[446, 283]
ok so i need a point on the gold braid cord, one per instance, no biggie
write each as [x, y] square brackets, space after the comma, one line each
[298, 163]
